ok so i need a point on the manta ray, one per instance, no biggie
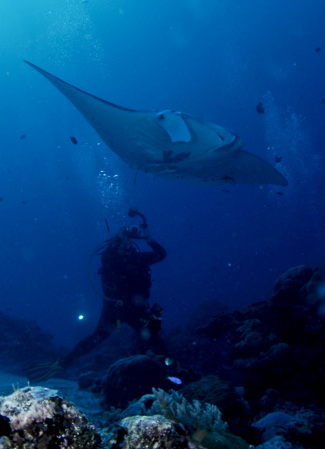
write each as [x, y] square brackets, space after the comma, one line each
[169, 143]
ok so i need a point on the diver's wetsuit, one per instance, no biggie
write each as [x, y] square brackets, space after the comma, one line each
[126, 282]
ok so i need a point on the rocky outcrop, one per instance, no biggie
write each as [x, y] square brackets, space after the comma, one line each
[131, 378]
[150, 432]
[146, 432]
[279, 344]
[36, 417]
[19, 339]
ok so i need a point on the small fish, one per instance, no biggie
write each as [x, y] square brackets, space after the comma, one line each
[323, 100]
[73, 140]
[169, 361]
[175, 380]
[317, 50]
[278, 159]
[1, 199]
[280, 193]
[22, 136]
[260, 108]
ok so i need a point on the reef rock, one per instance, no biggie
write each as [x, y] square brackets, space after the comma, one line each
[279, 344]
[36, 417]
[292, 280]
[19, 339]
[131, 378]
[277, 442]
[150, 432]
[307, 428]
[273, 424]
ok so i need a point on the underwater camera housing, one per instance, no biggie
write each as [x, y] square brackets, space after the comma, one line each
[135, 232]
[132, 232]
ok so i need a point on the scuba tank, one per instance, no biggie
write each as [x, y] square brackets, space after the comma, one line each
[131, 233]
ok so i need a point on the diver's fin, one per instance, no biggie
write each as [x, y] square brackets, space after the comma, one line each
[43, 371]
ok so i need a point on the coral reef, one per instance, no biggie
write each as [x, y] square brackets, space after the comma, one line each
[272, 351]
[202, 422]
[277, 442]
[307, 428]
[38, 417]
[301, 428]
[279, 344]
[214, 390]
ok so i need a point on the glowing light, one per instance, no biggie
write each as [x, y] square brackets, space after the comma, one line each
[80, 317]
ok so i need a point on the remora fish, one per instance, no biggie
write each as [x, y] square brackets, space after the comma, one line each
[169, 143]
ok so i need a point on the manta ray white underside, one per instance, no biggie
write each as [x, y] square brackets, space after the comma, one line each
[170, 144]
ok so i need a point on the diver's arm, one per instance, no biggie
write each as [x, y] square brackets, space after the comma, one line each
[157, 254]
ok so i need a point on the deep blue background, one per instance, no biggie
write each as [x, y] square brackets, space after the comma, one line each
[212, 59]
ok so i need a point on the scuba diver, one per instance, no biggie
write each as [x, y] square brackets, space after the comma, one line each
[126, 281]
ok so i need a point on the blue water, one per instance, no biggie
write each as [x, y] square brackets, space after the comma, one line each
[212, 59]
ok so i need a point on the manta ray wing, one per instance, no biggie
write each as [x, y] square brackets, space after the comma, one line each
[123, 130]
[247, 168]
[242, 168]
[169, 143]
